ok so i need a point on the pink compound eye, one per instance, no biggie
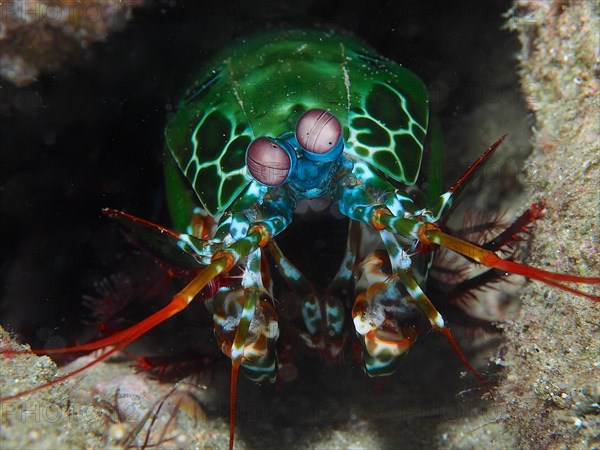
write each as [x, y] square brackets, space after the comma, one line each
[318, 131]
[267, 162]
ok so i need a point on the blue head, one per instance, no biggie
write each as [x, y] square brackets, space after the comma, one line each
[305, 160]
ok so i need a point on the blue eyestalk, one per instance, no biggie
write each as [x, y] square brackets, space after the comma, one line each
[306, 160]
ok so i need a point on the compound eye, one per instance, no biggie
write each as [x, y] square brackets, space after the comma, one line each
[318, 131]
[267, 162]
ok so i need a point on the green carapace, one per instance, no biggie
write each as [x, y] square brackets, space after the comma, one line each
[261, 89]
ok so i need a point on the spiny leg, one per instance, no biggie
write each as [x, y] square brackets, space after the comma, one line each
[279, 212]
[356, 202]
[257, 236]
[123, 338]
[246, 328]
[401, 267]
[399, 203]
[434, 235]
[430, 234]
[442, 208]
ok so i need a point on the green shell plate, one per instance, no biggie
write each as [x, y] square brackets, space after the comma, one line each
[262, 87]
